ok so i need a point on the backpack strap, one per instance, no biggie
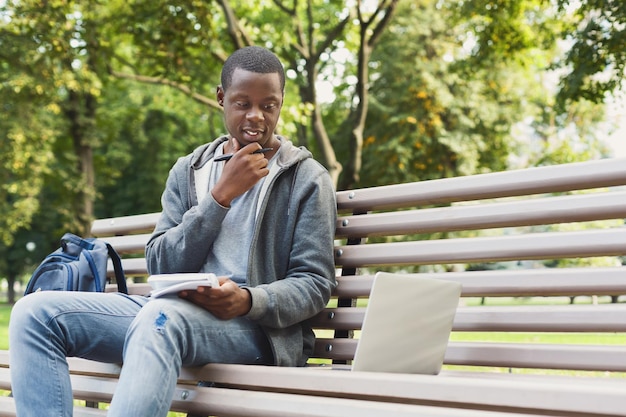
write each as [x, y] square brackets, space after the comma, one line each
[120, 278]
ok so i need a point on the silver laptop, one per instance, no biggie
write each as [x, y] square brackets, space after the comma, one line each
[407, 324]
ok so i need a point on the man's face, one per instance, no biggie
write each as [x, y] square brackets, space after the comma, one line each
[252, 106]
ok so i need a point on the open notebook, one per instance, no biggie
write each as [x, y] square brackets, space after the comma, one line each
[407, 324]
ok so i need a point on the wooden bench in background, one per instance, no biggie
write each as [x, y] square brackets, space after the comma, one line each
[566, 212]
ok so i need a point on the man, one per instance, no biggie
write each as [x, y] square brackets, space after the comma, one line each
[263, 221]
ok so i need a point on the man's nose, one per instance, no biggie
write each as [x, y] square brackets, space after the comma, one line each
[255, 113]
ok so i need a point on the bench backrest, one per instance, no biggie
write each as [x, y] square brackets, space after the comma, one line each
[437, 227]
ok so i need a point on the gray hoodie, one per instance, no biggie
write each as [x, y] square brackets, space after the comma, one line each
[291, 271]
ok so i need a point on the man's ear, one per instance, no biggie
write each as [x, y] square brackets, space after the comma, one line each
[220, 95]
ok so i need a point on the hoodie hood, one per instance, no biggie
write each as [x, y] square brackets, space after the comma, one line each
[288, 155]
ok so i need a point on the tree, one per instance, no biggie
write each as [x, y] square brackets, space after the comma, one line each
[319, 27]
[56, 61]
[100, 97]
[53, 54]
[596, 63]
[27, 130]
[304, 52]
[437, 111]
[371, 26]
[141, 141]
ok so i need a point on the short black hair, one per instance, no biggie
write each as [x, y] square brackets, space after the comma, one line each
[253, 59]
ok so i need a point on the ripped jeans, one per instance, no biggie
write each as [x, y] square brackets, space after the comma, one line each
[153, 338]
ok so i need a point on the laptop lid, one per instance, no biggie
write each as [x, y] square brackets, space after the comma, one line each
[407, 324]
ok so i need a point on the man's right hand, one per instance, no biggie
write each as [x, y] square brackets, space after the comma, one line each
[240, 173]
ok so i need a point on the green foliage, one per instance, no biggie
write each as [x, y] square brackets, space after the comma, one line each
[434, 114]
[20, 175]
[596, 62]
[177, 41]
[504, 31]
[18, 190]
[572, 134]
[142, 141]
[592, 31]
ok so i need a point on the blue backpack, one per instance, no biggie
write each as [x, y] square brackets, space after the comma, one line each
[78, 265]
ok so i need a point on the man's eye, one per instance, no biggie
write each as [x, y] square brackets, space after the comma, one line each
[242, 104]
[269, 106]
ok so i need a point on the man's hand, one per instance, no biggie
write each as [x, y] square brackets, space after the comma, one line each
[240, 173]
[225, 302]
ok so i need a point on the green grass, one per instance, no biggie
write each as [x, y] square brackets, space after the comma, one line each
[5, 312]
[559, 338]
[564, 338]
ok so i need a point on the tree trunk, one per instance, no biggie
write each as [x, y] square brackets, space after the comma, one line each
[353, 174]
[11, 288]
[367, 39]
[319, 129]
[81, 113]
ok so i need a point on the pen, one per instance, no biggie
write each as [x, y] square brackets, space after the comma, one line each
[227, 156]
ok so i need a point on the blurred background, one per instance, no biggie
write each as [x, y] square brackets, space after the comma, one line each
[99, 98]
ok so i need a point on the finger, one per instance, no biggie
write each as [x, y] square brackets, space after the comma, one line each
[250, 149]
[202, 289]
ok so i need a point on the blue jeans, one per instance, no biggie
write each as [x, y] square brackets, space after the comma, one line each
[153, 338]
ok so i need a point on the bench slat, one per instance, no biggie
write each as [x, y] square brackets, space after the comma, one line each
[129, 243]
[548, 179]
[544, 281]
[133, 289]
[505, 355]
[530, 318]
[511, 283]
[7, 405]
[5, 375]
[499, 392]
[537, 318]
[516, 283]
[235, 402]
[231, 402]
[558, 395]
[132, 266]
[139, 223]
[539, 356]
[7, 409]
[555, 245]
[549, 210]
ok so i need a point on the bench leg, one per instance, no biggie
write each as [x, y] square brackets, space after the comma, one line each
[202, 384]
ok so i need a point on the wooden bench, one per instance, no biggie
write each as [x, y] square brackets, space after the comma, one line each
[571, 212]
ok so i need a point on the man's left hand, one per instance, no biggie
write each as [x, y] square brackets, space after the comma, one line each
[225, 302]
